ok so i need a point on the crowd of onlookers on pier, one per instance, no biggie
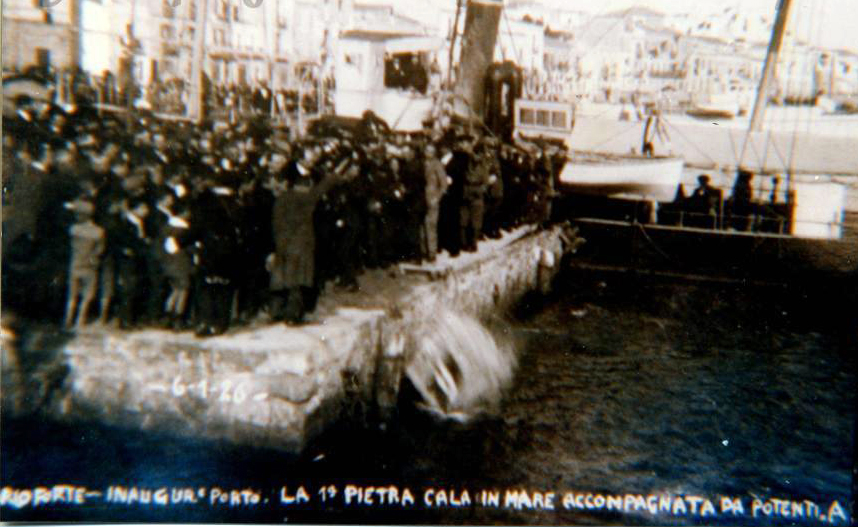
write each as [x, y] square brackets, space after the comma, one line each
[137, 221]
[308, 93]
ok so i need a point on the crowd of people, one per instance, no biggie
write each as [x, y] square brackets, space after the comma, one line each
[707, 207]
[222, 100]
[155, 223]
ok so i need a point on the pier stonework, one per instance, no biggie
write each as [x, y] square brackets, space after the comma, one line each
[278, 385]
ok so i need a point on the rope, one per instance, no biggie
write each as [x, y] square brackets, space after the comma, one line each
[610, 30]
[611, 138]
[766, 150]
[402, 113]
[652, 242]
[732, 146]
[690, 142]
[780, 155]
[473, 113]
[511, 40]
[753, 148]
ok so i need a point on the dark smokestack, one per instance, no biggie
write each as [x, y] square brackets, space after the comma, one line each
[478, 49]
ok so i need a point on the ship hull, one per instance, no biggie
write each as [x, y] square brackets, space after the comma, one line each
[622, 176]
[727, 254]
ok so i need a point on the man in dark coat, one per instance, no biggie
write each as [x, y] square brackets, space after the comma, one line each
[740, 203]
[129, 244]
[704, 203]
[544, 172]
[346, 233]
[217, 258]
[494, 196]
[295, 240]
[457, 164]
[255, 204]
[473, 201]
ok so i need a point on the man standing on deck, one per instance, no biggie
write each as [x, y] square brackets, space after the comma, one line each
[494, 209]
[705, 202]
[436, 185]
[473, 201]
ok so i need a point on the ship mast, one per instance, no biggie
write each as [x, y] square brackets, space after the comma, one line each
[775, 43]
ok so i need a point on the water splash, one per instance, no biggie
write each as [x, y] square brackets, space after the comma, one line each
[457, 366]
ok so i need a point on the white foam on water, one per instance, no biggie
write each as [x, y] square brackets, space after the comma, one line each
[459, 368]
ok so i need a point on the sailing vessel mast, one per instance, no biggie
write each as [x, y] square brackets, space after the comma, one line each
[781, 18]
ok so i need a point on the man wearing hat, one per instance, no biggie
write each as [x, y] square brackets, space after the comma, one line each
[741, 204]
[295, 239]
[87, 246]
[473, 200]
[705, 202]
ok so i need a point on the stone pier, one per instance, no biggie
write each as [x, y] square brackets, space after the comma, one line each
[278, 386]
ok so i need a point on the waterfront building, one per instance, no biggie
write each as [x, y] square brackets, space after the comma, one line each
[36, 33]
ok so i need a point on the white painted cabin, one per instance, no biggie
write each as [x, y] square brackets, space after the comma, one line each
[381, 72]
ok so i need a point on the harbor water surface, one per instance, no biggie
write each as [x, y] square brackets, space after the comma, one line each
[624, 385]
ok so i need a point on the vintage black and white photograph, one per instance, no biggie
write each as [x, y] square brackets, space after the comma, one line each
[474, 262]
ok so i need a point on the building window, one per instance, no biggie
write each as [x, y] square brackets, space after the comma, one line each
[192, 10]
[406, 71]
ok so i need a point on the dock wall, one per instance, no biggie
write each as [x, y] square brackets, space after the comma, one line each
[277, 385]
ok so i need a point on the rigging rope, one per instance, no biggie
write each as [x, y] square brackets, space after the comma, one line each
[511, 39]
[614, 136]
[689, 141]
[732, 146]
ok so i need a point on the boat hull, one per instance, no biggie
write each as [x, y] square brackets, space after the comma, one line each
[653, 178]
[713, 253]
[711, 113]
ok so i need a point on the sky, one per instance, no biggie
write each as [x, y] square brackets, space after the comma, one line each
[828, 23]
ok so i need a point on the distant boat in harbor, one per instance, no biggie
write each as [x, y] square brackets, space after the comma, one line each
[720, 106]
[653, 178]
[630, 175]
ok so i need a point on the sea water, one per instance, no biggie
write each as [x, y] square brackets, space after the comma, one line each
[624, 387]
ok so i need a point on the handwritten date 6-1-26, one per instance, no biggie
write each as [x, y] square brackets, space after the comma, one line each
[225, 391]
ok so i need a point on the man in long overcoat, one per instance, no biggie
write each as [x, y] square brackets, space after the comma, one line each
[295, 240]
